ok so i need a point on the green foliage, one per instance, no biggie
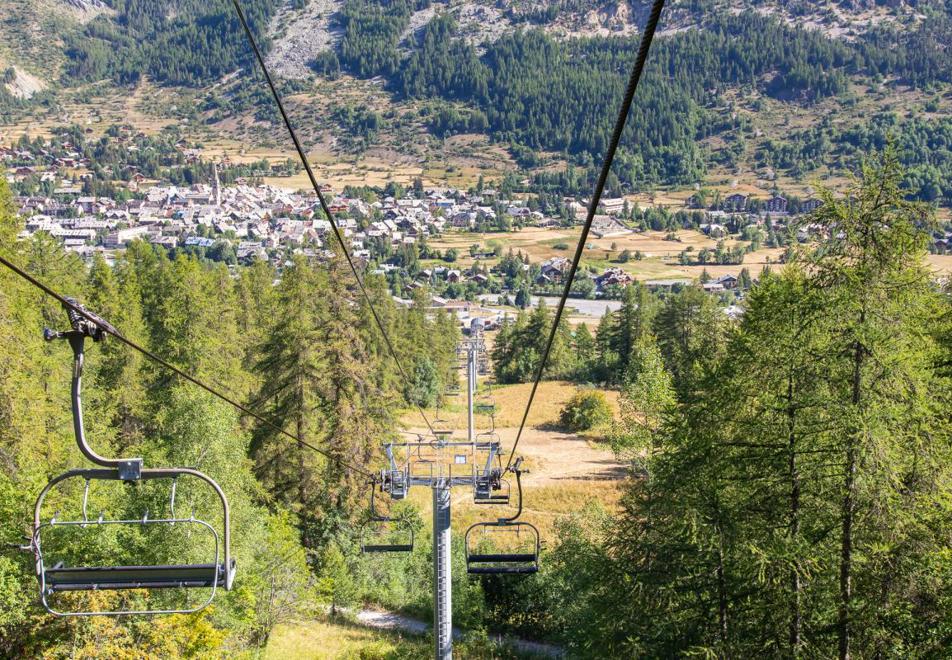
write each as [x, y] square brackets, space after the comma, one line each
[186, 42]
[372, 30]
[343, 395]
[586, 410]
[336, 585]
[789, 497]
[923, 146]
[647, 396]
[619, 332]
[541, 93]
[519, 346]
[425, 386]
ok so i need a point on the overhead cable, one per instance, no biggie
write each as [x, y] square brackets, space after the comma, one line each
[646, 39]
[323, 202]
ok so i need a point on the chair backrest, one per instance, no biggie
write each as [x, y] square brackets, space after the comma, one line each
[217, 571]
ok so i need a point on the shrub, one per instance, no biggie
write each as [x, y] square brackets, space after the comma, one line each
[586, 410]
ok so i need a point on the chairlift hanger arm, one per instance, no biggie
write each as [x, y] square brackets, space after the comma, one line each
[517, 470]
[129, 468]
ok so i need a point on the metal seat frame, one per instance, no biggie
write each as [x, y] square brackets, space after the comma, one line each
[505, 563]
[369, 548]
[57, 578]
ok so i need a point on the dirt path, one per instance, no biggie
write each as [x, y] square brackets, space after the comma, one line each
[390, 621]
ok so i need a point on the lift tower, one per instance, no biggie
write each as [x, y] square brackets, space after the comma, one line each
[440, 463]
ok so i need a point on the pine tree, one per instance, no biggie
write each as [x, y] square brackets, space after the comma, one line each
[290, 369]
[584, 347]
[690, 329]
[632, 325]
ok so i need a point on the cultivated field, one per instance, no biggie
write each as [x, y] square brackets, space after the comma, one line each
[659, 255]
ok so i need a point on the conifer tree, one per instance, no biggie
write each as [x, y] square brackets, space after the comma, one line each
[690, 329]
[884, 394]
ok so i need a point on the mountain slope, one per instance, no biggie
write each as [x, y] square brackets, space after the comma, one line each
[733, 89]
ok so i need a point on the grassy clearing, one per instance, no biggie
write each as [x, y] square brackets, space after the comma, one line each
[510, 403]
[327, 640]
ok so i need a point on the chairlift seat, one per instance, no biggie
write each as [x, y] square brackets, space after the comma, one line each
[491, 499]
[384, 547]
[502, 564]
[501, 557]
[92, 578]
[502, 570]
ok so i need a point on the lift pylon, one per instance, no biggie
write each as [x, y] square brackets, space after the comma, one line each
[441, 463]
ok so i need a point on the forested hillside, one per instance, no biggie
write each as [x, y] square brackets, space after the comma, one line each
[718, 95]
[301, 352]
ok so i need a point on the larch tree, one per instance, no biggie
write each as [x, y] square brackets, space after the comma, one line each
[886, 399]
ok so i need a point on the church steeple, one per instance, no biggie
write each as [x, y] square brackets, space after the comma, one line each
[216, 185]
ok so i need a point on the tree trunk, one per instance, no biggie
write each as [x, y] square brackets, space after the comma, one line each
[299, 428]
[721, 594]
[795, 615]
[848, 508]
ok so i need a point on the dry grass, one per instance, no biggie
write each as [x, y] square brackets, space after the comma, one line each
[545, 503]
[326, 640]
[940, 263]
[660, 255]
[510, 404]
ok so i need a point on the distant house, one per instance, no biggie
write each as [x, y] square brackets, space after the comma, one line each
[735, 202]
[604, 226]
[122, 237]
[199, 241]
[714, 230]
[613, 205]
[776, 204]
[727, 281]
[553, 269]
[613, 276]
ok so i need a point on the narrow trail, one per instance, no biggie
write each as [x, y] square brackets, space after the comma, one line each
[390, 621]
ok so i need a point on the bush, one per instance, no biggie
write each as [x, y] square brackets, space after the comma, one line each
[586, 410]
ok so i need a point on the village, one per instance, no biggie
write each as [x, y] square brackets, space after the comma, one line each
[250, 220]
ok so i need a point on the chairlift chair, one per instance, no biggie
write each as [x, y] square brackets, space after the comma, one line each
[523, 561]
[488, 485]
[492, 492]
[484, 408]
[55, 577]
[377, 520]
